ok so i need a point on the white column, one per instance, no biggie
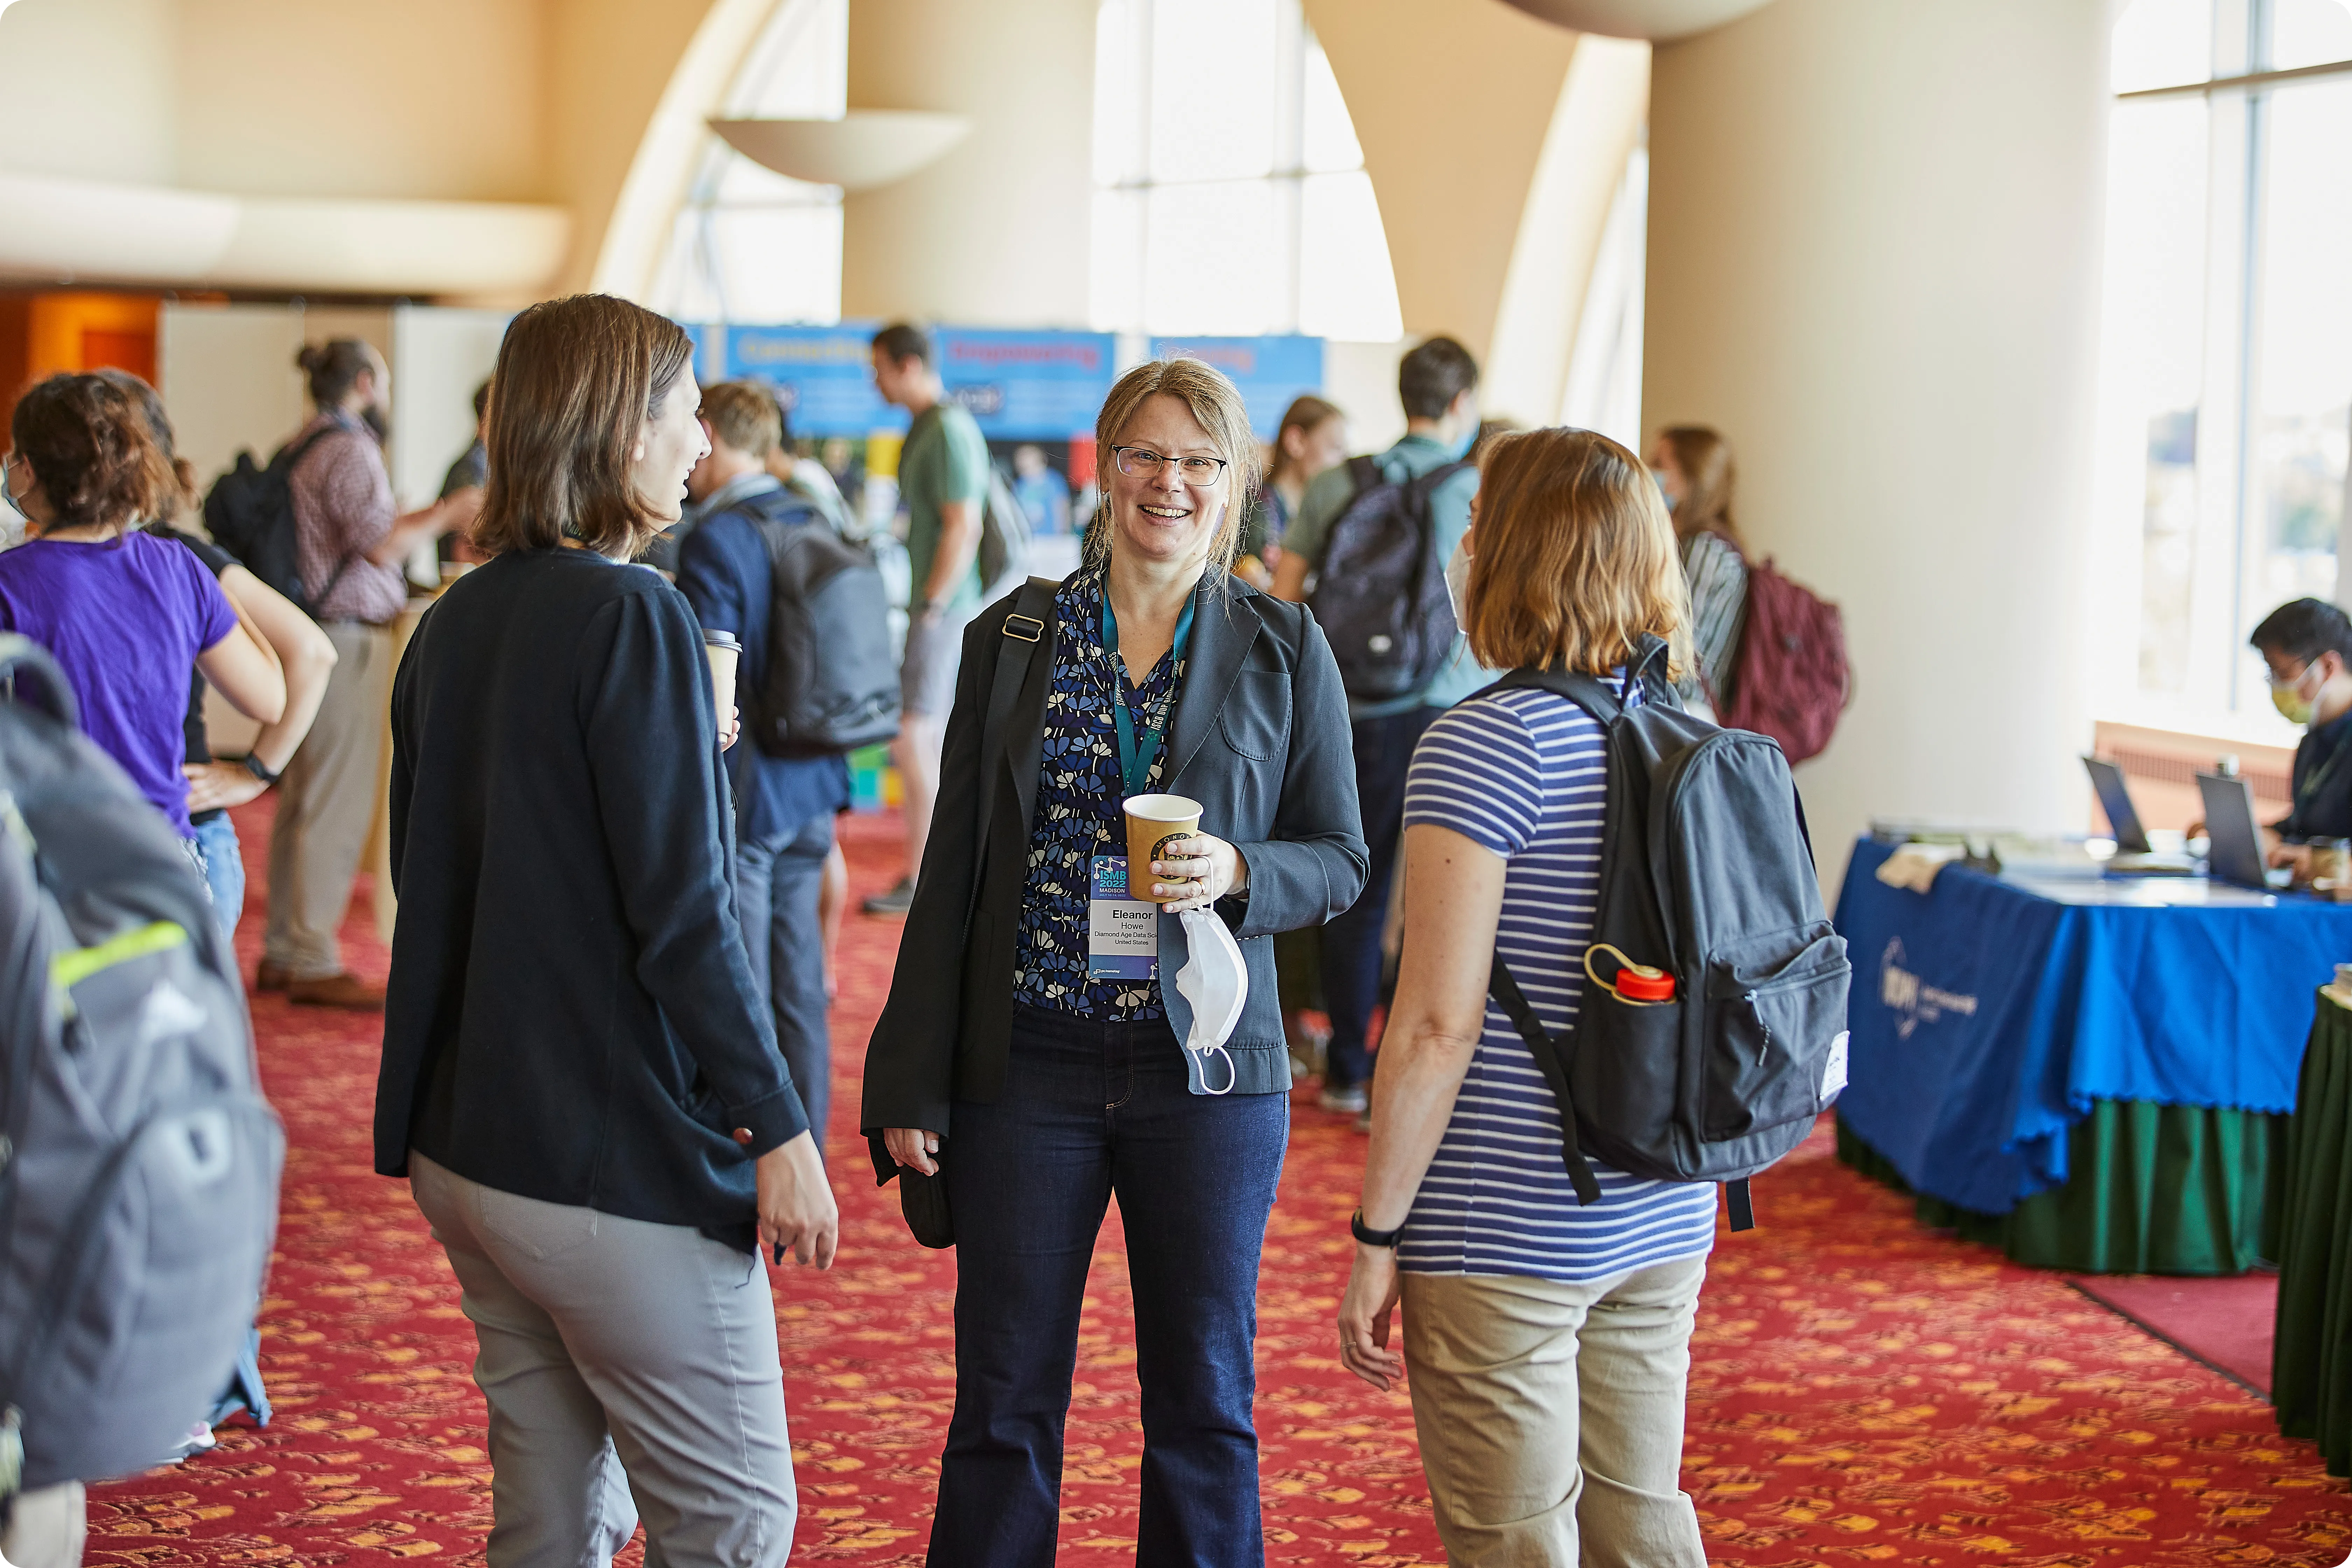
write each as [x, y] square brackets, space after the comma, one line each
[1874, 264]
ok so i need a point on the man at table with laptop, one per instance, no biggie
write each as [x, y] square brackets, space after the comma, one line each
[2307, 646]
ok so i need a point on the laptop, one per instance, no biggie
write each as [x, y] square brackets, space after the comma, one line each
[2134, 855]
[2235, 852]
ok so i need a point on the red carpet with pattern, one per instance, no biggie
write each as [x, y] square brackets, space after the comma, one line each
[1862, 1391]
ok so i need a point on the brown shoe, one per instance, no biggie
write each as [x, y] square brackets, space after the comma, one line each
[270, 977]
[345, 990]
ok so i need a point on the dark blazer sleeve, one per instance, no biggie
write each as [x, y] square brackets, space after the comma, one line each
[910, 1061]
[653, 750]
[1313, 864]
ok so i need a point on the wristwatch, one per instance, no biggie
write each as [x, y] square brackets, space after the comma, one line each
[1368, 1237]
[260, 769]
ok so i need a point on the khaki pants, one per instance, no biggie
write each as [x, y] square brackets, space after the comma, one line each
[1550, 1416]
[46, 1527]
[326, 803]
[631, 1372]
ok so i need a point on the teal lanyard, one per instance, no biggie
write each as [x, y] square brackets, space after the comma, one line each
[1135, 759]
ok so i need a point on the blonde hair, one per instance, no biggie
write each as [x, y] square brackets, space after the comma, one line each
[1217, 404]
[1573, 559]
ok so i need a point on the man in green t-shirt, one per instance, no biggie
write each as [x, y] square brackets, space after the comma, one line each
[943, 481]
[1438, 384]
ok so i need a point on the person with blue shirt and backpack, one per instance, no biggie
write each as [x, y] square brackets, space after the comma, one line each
[784, 805]
[1421, 486]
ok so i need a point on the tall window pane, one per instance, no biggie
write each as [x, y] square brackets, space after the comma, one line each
[2309, 32]
[2302, 422]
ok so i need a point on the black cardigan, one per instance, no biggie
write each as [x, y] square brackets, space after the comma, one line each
[572, 1015]
[1259, 738]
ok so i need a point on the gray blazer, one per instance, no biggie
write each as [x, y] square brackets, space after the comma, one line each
[1259, 738]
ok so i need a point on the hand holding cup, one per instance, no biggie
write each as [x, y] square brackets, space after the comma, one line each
[1196, 870]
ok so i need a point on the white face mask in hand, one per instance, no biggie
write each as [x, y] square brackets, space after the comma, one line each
[1458, 581]
[1215, 982]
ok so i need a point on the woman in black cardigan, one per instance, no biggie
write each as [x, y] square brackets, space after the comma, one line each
[1042, 1084]
[579, 1078]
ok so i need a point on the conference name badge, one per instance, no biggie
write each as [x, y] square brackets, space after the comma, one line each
[1122, 933]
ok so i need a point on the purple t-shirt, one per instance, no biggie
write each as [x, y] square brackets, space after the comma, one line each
[125, 619]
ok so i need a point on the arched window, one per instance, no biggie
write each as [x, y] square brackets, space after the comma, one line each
[749, 245]
[1240, 204]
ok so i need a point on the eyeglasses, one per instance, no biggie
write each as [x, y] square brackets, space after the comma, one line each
[1143, 463]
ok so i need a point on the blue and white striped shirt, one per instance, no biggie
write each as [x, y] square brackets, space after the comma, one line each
[1522, 773]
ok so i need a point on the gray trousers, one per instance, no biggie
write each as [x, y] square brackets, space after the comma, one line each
[326, 803]
[631, 1372]
[778, 882]
[46, 1527]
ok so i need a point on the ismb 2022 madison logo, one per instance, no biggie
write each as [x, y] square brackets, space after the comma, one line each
[1914, 1001]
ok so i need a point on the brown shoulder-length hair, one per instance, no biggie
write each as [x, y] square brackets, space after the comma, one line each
[1216, 402]
[1708, 474]
[575, 379]
[92, 454]
[1572, 560]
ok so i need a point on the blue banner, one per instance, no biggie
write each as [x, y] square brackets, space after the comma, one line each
[822, 376]
[1027, 385]
[1270, 371]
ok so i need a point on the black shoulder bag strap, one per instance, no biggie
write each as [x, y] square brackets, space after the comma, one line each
[1551, 1058]
[1025, 628]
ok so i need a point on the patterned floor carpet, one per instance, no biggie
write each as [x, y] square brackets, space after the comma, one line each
[1864, 1391]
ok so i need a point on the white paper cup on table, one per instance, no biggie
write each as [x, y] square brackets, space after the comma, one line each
[1152, 821]
[726, 653]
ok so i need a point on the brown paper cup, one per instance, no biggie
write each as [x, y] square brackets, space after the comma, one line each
[1152, 820]
[725, 652]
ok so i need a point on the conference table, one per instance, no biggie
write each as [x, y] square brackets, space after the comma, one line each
[2310, 1367]
[2090, 1073]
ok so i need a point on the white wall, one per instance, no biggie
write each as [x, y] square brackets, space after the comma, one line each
[1873, 263]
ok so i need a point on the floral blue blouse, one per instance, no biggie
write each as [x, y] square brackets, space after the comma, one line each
[1077, 814]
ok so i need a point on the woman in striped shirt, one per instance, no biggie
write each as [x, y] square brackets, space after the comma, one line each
[1549, 1340]
[1694, 472]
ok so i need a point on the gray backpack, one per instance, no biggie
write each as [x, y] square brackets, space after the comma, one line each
[1707, 875]
[139, 1163]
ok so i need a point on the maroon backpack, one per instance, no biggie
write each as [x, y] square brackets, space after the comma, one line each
[1793, 680]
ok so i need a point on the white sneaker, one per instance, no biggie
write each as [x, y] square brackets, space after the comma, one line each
[1349, 1101]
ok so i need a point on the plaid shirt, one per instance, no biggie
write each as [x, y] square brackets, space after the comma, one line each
[343, 508]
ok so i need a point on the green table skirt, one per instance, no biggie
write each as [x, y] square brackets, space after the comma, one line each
[2311, 1370]
[2156, 1189]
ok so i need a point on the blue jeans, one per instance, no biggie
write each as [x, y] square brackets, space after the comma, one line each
[1351, 939]
[1088, 1110]
[777, 880]
[223, 870]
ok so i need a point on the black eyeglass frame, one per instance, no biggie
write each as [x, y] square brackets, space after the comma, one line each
[1161, 460]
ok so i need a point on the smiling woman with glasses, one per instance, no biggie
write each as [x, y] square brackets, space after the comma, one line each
[1031, 1063]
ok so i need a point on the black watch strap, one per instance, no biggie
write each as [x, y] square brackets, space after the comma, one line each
[260, 769]
[1368, 1237]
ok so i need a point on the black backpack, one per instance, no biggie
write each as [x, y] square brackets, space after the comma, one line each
[1706, 873]
[249, 513]
[1380, 585]
[829, 681]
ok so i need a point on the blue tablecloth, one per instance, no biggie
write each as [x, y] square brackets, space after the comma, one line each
[1989, 1013]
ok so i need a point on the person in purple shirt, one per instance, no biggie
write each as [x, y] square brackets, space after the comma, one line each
[123, 612]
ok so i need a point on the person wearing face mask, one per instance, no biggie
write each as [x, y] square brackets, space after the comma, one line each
[1041, 1063]
[1692, 464]
[349, 545]
[580, 1077]
[2307, 646]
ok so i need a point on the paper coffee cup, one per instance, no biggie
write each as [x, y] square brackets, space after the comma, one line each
[725, 654]
[1152, 821]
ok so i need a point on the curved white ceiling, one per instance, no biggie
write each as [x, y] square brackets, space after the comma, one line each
[1657, 20]
[93, 231]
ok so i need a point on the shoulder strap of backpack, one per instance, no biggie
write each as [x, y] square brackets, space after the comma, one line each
[30, 676]
[1588, 692]
[1025, 628]
[1546, 1050]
